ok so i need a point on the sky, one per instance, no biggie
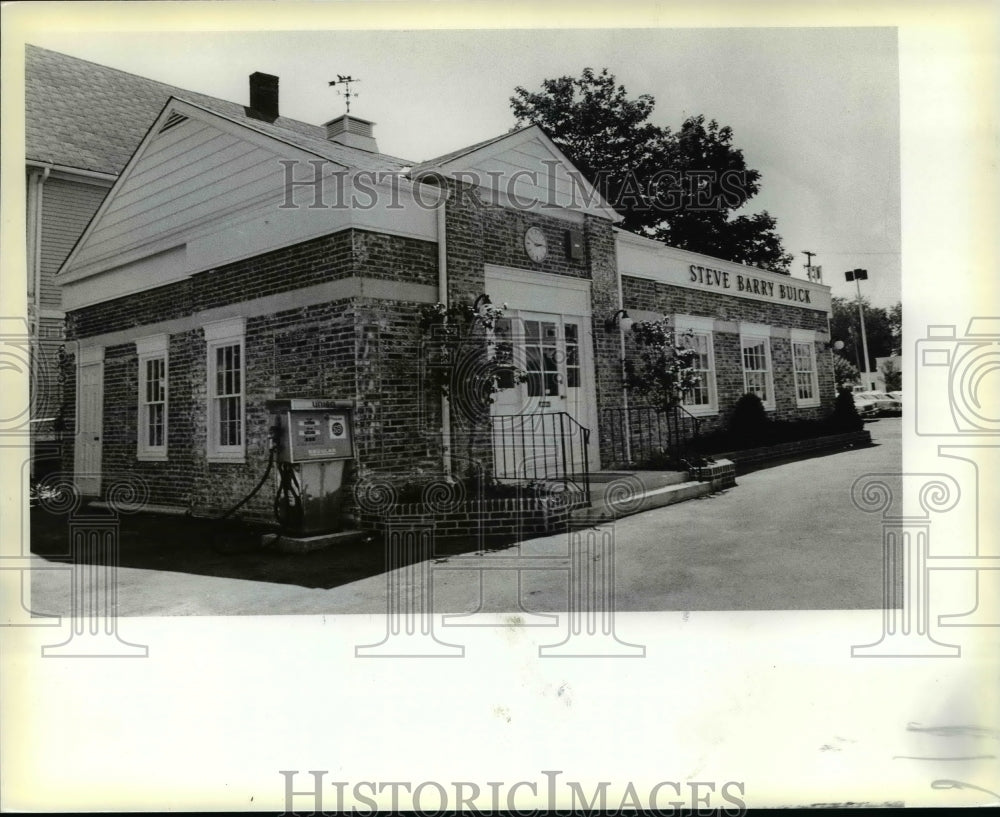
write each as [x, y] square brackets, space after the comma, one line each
[815, 110]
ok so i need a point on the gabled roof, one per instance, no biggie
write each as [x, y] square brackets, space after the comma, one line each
[83, 115]
[439, 161]
[524, 158]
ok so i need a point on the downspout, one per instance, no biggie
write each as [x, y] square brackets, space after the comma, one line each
[442, 242]
[37, 259]
[626, 426]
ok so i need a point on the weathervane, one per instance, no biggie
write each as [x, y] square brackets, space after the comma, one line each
[346, 93]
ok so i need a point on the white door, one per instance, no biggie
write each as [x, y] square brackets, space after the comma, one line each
[87, 451]
[539, 425]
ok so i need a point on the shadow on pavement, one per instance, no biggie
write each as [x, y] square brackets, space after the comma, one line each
[227, 549]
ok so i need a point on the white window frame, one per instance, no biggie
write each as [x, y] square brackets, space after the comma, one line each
[704, 326]
[751, 334]
[805, 337]
[155, 347]
[218, 335]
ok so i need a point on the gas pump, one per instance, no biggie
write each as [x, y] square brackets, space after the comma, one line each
[314, 439]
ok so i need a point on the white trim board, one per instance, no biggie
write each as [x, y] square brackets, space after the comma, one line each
[560, 294]
[328, 292]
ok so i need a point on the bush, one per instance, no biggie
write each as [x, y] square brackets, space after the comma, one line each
[845, 416]
[749, 423]
[747, 430]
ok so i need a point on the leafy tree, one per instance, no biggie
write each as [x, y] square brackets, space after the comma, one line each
[681, 188]
[893, 377]
[896, 324]
[879, 326]
[467, 361]
[664, 369]
[844, 372]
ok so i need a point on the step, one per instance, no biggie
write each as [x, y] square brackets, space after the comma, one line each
[655, 498]
[650, 479]
[291, 543]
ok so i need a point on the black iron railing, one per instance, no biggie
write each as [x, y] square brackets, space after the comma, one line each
[649, 435]
[551, 447]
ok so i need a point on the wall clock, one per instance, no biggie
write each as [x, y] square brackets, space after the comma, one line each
[535, 244]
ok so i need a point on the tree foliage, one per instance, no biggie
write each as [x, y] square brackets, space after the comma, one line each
[663, 370]
[845, 414]
[893, 377]
[681, 188]
[882, 326]
[844, 372]
[464, 359]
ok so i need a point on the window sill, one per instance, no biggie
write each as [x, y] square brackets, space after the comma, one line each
[151, 456]
[806, 403]
[235, 458]
[701, 411]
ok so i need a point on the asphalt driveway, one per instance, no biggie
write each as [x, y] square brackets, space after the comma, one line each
[786, 538]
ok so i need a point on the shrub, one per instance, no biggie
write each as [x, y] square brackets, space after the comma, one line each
[749, 423]
[845, 416]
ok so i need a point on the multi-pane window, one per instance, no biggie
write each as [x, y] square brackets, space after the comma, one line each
[757, 368]
[541, 354]
[702, 395]
[572, 333]
[226, 390]
[804, 361]
[154, 403]
[228, 395]
[152, 431]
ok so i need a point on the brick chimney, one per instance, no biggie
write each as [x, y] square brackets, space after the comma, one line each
[264, 95]
[353, 132]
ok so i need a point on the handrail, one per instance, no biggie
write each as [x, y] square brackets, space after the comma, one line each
[650, 435]
[542, 446]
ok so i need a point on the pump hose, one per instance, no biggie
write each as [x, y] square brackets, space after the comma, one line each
[288, 490]
[257, 487]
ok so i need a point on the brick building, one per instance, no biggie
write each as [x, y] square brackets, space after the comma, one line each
[241, 257]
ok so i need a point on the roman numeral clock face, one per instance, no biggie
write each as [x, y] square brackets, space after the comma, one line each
[535, 244]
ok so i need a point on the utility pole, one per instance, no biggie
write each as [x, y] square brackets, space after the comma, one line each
[857, 275]
[812, 273]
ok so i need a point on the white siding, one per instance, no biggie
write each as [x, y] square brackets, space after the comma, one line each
[67, 208]
[187, 176]
[530, 171]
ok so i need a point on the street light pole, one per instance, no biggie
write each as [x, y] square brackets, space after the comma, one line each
[856, 275]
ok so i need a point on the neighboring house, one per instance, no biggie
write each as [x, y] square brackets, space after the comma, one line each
[241, 257]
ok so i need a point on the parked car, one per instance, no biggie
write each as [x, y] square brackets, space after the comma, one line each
[865, 406]
[896, 395]
[885, 405]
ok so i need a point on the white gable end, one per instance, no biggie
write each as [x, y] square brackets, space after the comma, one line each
[183, 178]
[526, 170]
[202, 191]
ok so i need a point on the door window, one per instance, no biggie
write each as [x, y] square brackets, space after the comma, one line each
[541, 353]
